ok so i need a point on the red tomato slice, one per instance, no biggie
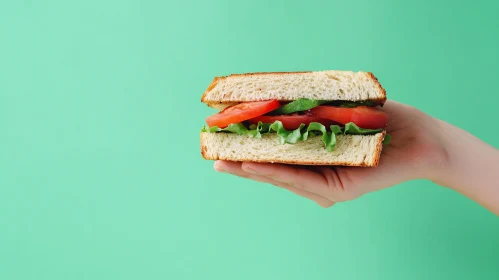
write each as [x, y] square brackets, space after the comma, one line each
[291, 122]
[241, 112]
[362, 116]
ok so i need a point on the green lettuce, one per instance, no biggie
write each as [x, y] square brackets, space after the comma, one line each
[300, 134]
[351, 128]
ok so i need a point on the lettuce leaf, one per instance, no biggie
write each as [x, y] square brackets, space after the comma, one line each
[351, 128]
[302, 133]
[237, 128]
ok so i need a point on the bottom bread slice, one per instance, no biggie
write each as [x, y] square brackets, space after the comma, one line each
[350, 150]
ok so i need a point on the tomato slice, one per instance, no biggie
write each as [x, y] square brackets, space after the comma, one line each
[362, 116]
[292, 122]
[241, 112]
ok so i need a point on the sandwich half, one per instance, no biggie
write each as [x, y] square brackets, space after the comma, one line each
[304, 118]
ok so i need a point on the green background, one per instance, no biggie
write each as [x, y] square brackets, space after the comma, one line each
[101, 175]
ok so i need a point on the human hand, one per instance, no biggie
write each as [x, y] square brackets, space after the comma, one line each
[422, 147]
[417, 150]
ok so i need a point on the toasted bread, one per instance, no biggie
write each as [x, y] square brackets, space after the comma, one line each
[350, 150]
[288, 86]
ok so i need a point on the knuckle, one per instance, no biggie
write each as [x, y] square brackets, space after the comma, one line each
[340, 186]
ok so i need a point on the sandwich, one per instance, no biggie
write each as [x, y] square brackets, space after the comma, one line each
[328, 118]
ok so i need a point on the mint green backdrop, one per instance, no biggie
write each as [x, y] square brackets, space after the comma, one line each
[100, 170]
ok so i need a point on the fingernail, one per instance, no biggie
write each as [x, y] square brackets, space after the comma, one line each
[219, 168]
[248, 169]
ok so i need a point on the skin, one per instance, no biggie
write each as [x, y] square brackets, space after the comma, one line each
[422, 147]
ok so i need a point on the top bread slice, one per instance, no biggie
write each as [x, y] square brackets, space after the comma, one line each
[287, 86]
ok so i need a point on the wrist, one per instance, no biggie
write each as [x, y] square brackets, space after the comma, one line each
[445, 172]
[470, 167]
[438, 154]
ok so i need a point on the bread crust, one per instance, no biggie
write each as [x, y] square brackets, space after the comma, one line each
[380, 87]
[377, 154]
[379, 149]
[373, 156]
[218, 79]
[223, 104]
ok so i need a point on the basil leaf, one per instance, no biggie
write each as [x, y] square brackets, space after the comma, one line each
[387, 139]
[302, 104]
[351, 104]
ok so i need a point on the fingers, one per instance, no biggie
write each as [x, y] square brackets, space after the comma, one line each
[324, 182]
[235, 168]
[300, 178]
[321, 201]
[334, 184]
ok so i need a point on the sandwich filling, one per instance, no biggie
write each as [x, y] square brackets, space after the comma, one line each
[300, 119]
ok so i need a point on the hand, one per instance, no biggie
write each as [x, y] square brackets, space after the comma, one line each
[417, 150]
[422, 147]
